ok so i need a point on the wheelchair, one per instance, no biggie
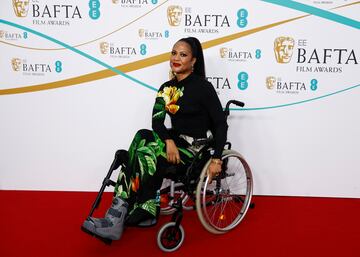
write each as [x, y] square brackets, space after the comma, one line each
[221, 204]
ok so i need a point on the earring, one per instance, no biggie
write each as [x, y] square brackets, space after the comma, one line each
[172, 74]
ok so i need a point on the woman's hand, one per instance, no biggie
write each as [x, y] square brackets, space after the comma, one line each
[172, 152]
[214, 168]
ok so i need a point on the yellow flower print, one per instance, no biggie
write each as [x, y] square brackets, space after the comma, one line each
[171, 95]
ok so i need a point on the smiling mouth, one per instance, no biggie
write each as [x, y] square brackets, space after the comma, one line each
[176, 64]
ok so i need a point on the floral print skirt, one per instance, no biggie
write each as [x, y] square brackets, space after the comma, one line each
[140, 180]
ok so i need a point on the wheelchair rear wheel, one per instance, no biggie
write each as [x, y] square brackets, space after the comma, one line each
[222, 204]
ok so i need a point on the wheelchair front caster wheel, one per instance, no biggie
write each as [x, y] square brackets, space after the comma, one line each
[170, 237]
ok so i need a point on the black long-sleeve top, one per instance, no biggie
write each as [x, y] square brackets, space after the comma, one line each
[194, 108]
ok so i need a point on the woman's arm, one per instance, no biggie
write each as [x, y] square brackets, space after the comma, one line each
[158, 116]
[217, 116]
[158, 119]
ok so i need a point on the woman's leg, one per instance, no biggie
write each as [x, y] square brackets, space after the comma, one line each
[140, 179]
[138, 182]
[133, 172]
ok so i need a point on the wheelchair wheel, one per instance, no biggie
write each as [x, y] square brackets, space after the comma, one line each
[170, 237]
[222, 204]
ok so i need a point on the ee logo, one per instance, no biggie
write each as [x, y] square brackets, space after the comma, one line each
[243, 80]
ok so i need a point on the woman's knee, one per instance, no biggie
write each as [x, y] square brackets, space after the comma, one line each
[144, 133]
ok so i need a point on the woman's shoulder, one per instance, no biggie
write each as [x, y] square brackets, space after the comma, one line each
[201, 81]
[203, 84]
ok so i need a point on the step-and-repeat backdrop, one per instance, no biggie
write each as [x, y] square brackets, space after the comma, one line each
[79, 78]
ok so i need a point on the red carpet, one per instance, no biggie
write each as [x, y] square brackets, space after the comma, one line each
[48, 224]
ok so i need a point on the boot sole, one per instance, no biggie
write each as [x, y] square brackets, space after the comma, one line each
[103, 239]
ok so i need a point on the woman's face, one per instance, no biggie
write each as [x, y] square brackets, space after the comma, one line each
[181, 60]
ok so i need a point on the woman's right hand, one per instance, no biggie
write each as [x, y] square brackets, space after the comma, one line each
[172, 152]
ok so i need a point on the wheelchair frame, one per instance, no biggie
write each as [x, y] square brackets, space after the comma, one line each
[207, 196]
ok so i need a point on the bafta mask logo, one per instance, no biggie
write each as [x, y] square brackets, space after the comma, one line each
[283, 48]
[2, 33]
[270, 82]
[104, 47]
[141, 32]
[223, 52]
[174, 13]
[21, 7]
[115, 1]
[16, 64]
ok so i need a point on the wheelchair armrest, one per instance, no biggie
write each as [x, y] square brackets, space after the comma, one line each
[202, 142]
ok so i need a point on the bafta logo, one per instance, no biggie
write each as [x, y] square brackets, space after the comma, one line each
[2, 33]
[115, 1]
[283, 48]
[174, 13]
[16, 63]
[223, 52]
[270, 82]
[141, 32]
[21, 7]
[104, 47]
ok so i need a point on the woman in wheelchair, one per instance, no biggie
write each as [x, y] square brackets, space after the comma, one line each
[194, 109]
